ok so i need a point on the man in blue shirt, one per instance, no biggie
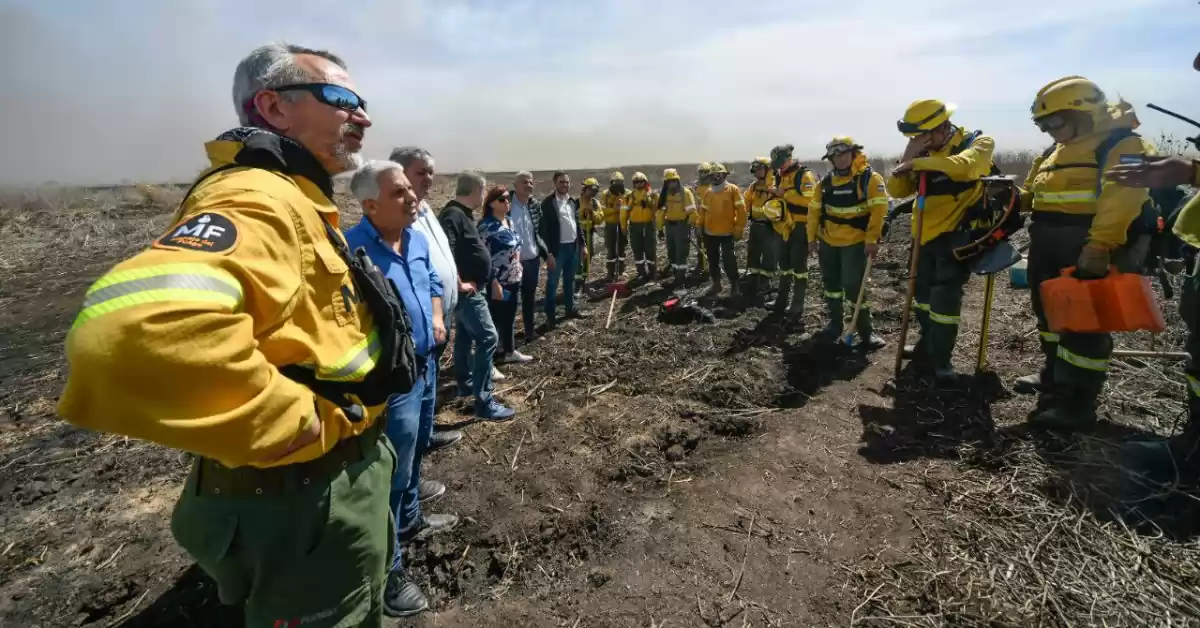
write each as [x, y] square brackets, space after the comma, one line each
[402, 253]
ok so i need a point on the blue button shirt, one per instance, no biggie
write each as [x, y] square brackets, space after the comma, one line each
[412, 272]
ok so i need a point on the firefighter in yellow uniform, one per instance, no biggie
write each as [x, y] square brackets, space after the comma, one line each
[796, 186]
[614, 203]
[1080, 220]
[642, 221]
[722, 221]
[590, 215]
[677, 205]
[703, 184]
[762, 249]
[250, 337]
[953, 162]
[846, 216]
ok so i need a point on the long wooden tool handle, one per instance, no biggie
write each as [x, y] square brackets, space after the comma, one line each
[611, 305]
[862, 291]
[985, 327]
[906, 315]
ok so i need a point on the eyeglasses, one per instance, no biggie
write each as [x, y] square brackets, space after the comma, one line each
[1047, 124]
[504, 199]
[330, 94]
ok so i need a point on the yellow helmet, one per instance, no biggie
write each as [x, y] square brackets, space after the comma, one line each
[718, 169]
[640, 176]
[1072, 93]
[591, 182]
[760, 161]
[704, 167]
[773, 209]
[840, 144]
[671, 174]
[617, 176]
[925, 115]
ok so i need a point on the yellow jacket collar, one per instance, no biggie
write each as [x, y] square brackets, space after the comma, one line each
[258, 148]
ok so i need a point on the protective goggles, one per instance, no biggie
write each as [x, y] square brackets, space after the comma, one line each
[914, 128]
[1050, 123]
[330, 94]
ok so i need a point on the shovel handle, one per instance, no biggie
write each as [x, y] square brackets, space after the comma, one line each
[906, 314]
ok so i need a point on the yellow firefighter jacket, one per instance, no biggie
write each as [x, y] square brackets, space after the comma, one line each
[953, 182]
[613, 206]
[180, 344]
[680, 206]
[643, 208]
[1187, 224]
[1066, 181]
[723, 212]
[852, 207]
[590, 214]
[797, 194]
[701, 190]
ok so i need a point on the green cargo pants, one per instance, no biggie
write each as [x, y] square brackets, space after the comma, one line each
[793, 274]
[645, 246]
[842, 269]
[614, 249]
[584, 269]
[762, 256]
[939, 294]
[295, 549]
[1075, 363]
[679, 244]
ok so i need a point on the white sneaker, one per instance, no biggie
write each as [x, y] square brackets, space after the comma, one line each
[497, 376]
[518, 358]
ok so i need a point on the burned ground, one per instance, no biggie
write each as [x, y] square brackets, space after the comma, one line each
[717, 474]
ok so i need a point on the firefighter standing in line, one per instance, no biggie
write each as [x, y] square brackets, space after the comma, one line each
[590, 215]
[796, 186]
[953, 162]
[216, 338]
[722, 220]
[762, 249]
[1082, 221]
[614, 203]
[677, 205]
[846, 213]
[703, 185]
[641, 221]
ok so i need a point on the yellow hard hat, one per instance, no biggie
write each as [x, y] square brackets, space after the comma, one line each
[1072, 93]
[671, 174]
[760, 161]
[640, 176]
[840, 144]
[773, 209]
[718, 169]
[704, 167]
[616, 176]
[924, 115]
[591, 181]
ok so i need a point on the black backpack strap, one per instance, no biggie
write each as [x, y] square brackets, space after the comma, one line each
[1104, 148]
[864, 185]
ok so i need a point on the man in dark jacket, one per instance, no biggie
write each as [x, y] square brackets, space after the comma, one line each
[560, 231]
[526, 218]
[474, 321]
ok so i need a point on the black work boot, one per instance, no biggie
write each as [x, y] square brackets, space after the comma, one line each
[781, 300]
[1180, 452]
[831, 332]
[402, 597]
[714, 289]
[1072, 410]
[680, 277]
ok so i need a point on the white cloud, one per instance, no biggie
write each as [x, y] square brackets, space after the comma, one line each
[543, 84]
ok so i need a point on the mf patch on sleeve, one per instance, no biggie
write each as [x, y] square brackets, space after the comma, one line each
[208, 232]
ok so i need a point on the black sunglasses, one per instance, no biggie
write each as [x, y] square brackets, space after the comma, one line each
[1052, 122]
[330, 94]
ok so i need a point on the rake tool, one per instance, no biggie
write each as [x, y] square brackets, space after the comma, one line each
[906, 315]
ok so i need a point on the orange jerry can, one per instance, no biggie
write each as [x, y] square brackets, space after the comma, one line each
[1116, 303]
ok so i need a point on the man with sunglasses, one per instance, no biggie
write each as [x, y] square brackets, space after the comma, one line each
[953, 161]
[1082, 221]
[239, 334]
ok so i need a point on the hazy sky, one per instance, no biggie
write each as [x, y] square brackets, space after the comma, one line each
[104, 91]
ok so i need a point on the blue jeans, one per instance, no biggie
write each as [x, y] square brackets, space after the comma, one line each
[566, 261]
[530, 274]
[409, 426]
[475, 327]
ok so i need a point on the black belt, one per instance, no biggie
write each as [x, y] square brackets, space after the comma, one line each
[214, 478]
[763, 221]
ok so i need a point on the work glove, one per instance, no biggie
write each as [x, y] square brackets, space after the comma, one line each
[1093, 263]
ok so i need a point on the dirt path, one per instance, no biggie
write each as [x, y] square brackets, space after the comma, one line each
[721, 474]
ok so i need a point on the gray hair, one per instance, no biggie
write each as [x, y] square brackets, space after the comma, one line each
[408, 155]
[365, 183]
[270, 66]
[521, 175]
[469, 182]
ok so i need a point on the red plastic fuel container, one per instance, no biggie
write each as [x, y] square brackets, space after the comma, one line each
[1116, 303]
